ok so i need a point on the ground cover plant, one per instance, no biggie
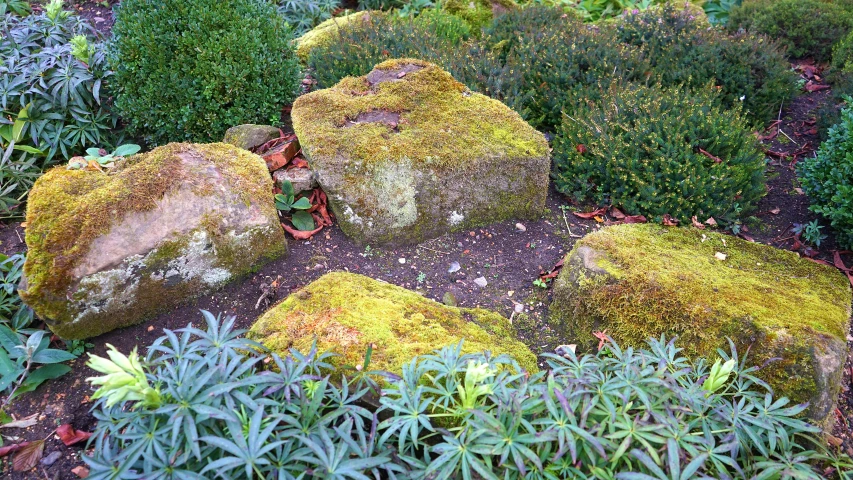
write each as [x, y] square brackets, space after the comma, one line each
[448, 416]
[176, 80]
[827, 179]
[660, 153]
[303, 15]
[805, 28]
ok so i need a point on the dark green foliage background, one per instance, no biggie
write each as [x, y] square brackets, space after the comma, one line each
[190, 69]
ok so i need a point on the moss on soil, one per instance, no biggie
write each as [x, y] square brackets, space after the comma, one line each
[441, 123]
[654, 280]
[69, 209]
[346, 312]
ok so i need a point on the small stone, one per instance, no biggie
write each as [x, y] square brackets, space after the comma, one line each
[250, 136]
[454, 267]
[51, 458]
[449, 299]
[302, 179]
[720, 256]
[402, 261]
[481, 282]
[519, 308]
[520, 227]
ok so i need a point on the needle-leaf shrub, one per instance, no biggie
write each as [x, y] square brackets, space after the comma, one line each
[828, 178]
[805, 28]
[55, 70]
[683, 50]
[659, 151]
[619, 414]
[190, 69]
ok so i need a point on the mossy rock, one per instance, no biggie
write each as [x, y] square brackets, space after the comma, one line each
[641, 281]
[478, 13]
[250, 136]
[327, 32]
[346, 313]
[107, 250]
[407, 153]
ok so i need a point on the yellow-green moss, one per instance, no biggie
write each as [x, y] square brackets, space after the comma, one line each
[478, 13]
[68, 209]
[642, 281]
[327, 32]
[346, 312]
[441, 122]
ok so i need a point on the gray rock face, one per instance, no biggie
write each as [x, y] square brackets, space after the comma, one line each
[406, 153]
[156, 240]
[250, 136]
[302, 179]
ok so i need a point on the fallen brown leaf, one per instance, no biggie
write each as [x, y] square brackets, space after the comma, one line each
[697, 223]
[8, 449]
[80, 471]
[70, 436]
[635, 219]
[592, 214]
[668, 220]
[28, 456]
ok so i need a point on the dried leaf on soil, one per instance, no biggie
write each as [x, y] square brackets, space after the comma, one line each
[592, 214]
[70, 436]
[668, 220]
[28, 456]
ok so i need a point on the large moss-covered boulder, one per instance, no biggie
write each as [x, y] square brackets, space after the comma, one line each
[107, 250]
[640, 281]
[346, 313]
[327, 32]
[407, 153]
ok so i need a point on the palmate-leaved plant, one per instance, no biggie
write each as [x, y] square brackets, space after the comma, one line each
[207, 404]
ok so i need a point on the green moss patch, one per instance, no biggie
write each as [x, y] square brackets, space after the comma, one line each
[346, 313]
[641, 281]
[442, 123]
[326, 32]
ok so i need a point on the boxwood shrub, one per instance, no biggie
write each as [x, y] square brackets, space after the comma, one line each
[190, 69]
[659, 151]
[805, 28]
[684, 50]
[827, 179]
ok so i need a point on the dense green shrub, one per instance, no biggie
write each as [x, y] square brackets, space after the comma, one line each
[650, 412]
[303, 15]
[53, 68]
[190, 69]
[828, 179]
[682, 50]
[658, 151]
[805, 28]
[842, 56]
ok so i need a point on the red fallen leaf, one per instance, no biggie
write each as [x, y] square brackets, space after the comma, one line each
[80, 471]
[592, 214]
[711, 221]
[635, 219]
[8, 449]
[712, 157]
[28, 456]
[812, 131]
[581, 148]
[839, 264]
[555, 270]
[299, 234]
[668, 220]
[616, 213]
[797, 245]
[813, 87]
[697, 223]
[70, 436]
[810, 252]
[817, 260]
[298, 162]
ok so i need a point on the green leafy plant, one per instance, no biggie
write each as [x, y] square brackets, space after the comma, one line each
[413, 8]
[78, 347]
[303, 15]
[196, 84]
[17, 7]
[66, 98]
[827, 178]
[810, 232]
[104, 158]
[749, 70]
[26, 359]
[19, 168]
[718, 10]
[286, 201]
[805, 28]
[540, 283]
[660, 152]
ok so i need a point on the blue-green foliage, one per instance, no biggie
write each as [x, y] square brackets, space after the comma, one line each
[828, 179]
[224, 411]
[303, 15]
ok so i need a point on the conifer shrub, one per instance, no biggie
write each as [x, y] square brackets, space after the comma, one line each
[656, 151]
[827, 178]
[805, 28]
[683, 50]
[842, 56]
[190, 69]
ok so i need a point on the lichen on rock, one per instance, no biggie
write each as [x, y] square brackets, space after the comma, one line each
[346, 313]
[407, 153]
[641, 281]
[108, 250]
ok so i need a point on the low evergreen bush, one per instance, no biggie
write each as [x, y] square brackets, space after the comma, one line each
[828, 178]
[660, 152]
[684, 50]
[805, 28]
[187, 70]
[620, 414]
